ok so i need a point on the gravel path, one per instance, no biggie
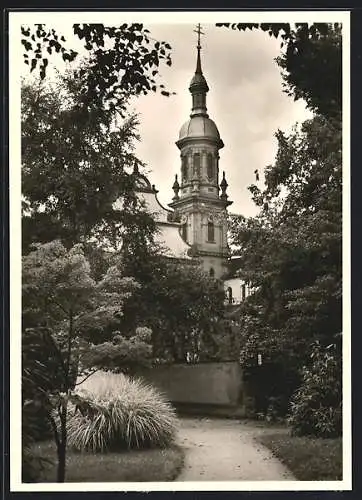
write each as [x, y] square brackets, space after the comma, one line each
[225, 450]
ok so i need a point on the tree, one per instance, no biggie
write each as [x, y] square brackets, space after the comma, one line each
[122, 60]
[74, 167]
[292, 250]
[182, 305]
[61, 302]
[312, 56]
[77, 151]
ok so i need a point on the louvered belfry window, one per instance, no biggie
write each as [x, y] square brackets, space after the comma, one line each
[184, 168]
[210, 231]
[210, 166]
[197, 162]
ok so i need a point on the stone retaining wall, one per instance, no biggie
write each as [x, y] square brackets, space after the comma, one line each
[205, 383]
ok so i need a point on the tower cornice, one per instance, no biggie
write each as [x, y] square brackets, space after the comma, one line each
[196, 199]
[199, 140]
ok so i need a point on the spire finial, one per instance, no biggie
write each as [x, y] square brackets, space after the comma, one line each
[198, 86]
[176, 188]
[223, 186]
[199, 33]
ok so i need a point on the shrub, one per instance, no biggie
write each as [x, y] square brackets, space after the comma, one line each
[271, 386]
[32, 428]
[34, 414]
[122, 413]
[275, 410]
[316, 407]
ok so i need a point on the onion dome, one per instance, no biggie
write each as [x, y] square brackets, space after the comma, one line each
[199, 127]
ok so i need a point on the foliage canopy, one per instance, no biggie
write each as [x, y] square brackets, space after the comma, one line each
[122, 60]
[61, 302]
[291, 251]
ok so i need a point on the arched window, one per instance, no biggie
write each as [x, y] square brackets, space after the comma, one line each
[197, 162]
[210, 231]
[230, 295]
[184, 168]
[212, 272]
[184, 231]
[210, 166]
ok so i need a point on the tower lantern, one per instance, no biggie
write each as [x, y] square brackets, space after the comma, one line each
[202, 210]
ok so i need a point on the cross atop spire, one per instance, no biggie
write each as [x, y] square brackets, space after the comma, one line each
[198, 86]
[198, 62]
[199, 33]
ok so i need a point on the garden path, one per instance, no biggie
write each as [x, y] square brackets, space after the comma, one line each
[226, 450]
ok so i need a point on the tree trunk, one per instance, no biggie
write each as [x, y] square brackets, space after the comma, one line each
[62, 446]
[61, 462]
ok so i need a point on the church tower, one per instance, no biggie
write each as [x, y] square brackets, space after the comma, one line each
[200, 201]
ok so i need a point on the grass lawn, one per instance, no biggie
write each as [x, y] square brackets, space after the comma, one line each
[146, 465]
[310, 459]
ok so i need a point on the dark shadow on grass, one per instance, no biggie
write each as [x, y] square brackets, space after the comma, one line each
[310, 459]
[136, 466]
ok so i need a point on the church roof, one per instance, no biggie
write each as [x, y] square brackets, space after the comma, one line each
[168, 233]
[153, 206]
[169, 238]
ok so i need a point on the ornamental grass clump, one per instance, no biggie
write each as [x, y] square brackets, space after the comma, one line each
[121, 413]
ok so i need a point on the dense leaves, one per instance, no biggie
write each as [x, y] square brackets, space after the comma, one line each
[123, 60]
[76, 163]
[315, 50]
[183, 307]
[61, 302]
[316, 407]
[292, 251]
[34, 384]
[311, 57]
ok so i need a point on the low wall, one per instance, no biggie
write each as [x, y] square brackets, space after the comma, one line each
[204, 383]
